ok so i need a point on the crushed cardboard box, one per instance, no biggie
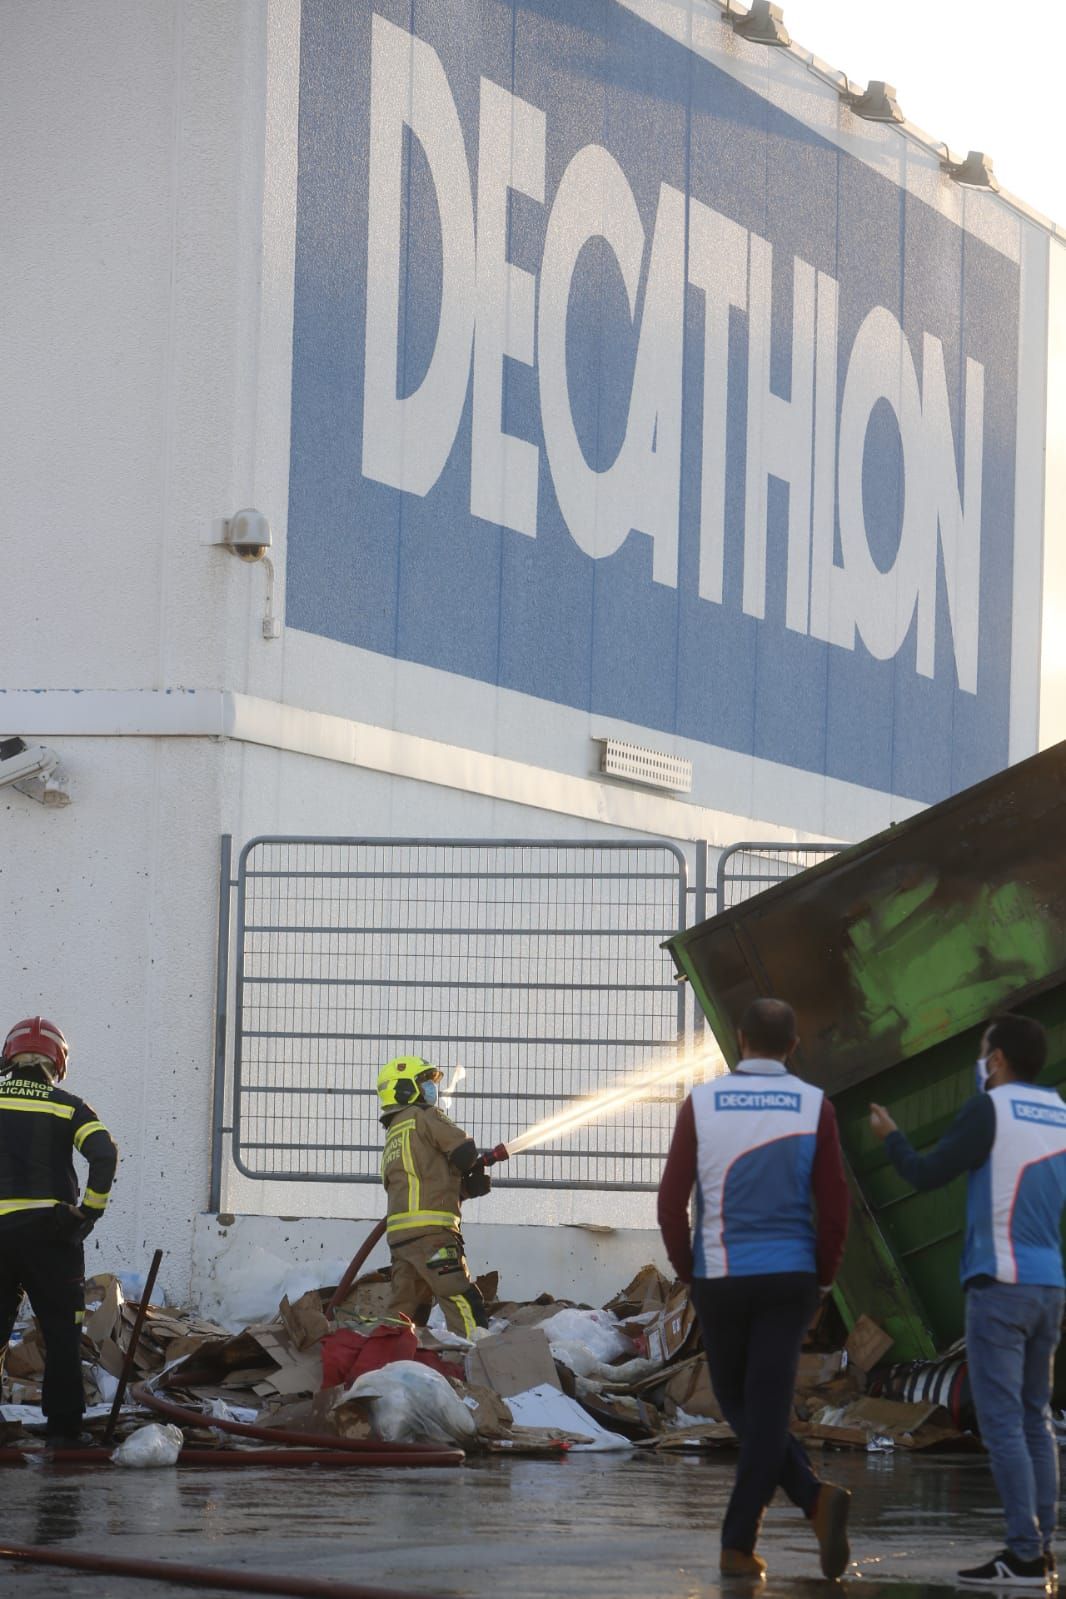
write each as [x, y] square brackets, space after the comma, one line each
[896, 1423]
[696, 1436]
[305, 1322]
[649, 1291]
[867, 1344]
[273, 1368]
[512, 1362]
[674, 1331]
[688, 1389]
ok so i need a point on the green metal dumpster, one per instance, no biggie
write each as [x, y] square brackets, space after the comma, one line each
[894, 954]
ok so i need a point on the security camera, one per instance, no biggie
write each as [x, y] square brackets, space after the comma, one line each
[20, 761]
[247, 534]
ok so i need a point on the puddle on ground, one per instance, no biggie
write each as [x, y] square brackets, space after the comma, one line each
[584, 1527]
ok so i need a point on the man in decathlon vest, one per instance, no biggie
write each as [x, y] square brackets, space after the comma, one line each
[1010, 1140]
[761, 1149]
[42, 1224]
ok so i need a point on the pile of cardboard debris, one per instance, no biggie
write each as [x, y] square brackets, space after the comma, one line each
[549, 1375]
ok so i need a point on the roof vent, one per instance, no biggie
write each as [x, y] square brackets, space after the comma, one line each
[636, 764]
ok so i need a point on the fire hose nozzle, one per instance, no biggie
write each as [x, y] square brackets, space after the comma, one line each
[492, 1157]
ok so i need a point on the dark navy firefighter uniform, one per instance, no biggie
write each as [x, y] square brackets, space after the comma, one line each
[43, 1225]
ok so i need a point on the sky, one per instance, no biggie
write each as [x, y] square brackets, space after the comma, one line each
[979, 74]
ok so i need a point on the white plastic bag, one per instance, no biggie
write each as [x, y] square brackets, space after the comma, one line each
[410, 1403]
[596, 1329]
[583, 1363]
[153, 1445]
[223, 1412]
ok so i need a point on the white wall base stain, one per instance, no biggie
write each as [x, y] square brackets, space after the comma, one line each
[244, 1264]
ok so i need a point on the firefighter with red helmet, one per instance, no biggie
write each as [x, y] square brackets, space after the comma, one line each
[43, 1224]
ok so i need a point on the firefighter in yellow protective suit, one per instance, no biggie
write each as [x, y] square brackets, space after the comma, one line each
[428, 1166]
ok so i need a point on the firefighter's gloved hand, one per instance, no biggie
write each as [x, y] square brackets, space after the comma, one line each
[476, 1182]
[74, 1223]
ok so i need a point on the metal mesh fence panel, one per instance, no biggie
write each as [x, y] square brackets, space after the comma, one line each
[535, 966]
[747, 869]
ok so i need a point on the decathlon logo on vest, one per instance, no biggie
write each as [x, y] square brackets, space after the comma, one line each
[757, 1099]
[1026, 1111]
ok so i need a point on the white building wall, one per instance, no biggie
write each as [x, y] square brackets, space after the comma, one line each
[1052, 483]
[108, 906]
[146, 319]
[133, 148]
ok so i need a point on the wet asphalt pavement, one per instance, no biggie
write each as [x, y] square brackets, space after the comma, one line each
[585, 1527]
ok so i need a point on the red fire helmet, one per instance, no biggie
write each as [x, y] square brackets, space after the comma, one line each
[37, 1036]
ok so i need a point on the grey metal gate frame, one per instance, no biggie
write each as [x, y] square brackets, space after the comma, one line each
[766, 864]
[586, 882]
[773, 862]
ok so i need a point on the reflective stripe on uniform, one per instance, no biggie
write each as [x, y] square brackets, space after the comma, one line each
[402, 1220]
[414, 1185]
[64, 1112]
[8, 1206]
[469, 1321]
[79, 1316]
[93, 1201]
[83, 1132]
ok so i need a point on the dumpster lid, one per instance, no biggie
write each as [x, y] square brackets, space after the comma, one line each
[907, 939]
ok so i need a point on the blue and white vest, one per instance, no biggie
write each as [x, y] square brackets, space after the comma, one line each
[1014, 1202]
[755, 1138]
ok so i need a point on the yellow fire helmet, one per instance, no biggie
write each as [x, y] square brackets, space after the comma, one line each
[399, 1080]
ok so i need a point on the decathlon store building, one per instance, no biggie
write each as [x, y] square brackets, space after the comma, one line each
[618, 395]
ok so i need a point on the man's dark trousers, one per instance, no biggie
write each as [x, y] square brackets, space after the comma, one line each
[34, 1257]
[753, 1329]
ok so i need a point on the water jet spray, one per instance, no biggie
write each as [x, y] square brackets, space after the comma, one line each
[708, 1061]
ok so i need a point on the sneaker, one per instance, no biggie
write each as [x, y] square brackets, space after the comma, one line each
[830, 1523]
[1008, 1570]
[735, 1563]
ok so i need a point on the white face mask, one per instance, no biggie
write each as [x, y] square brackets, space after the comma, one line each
[981, 1073]
[429, 1093]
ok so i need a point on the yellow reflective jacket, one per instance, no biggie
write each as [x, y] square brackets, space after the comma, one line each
[422, 1167]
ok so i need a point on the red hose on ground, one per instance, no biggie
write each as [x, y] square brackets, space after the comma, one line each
[200, 1576]
[397, 1454]
[228, 1457]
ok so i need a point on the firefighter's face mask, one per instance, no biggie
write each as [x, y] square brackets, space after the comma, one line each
[429, 1092]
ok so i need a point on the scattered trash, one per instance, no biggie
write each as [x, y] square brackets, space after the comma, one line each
[673, 1331]
[549, 1410]
[596, 1331]
[150, 1446]
[408, 1404]
[867, 1344]
[943, 1382]
[546, 1377]
[891, 1422]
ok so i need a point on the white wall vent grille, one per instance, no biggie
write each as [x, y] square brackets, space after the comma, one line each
[639, 765]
